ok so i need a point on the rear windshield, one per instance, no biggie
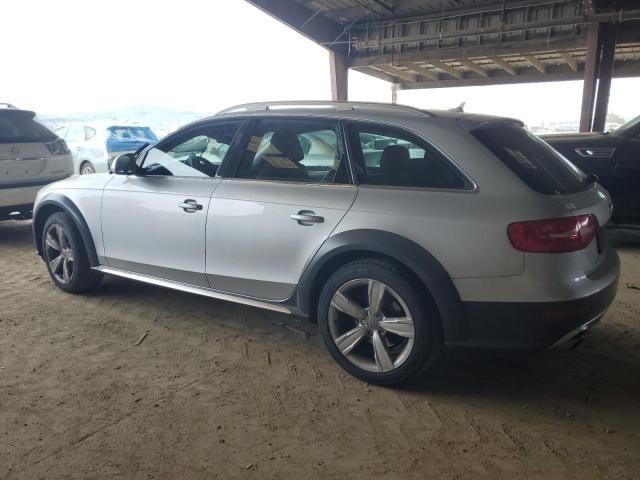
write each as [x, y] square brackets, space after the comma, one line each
[20, 127]
[533, 160]
[132, 134]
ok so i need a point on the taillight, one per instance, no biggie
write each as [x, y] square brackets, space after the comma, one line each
[58, 147]
[556, 235]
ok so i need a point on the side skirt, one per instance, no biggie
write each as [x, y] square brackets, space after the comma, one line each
[183, 287]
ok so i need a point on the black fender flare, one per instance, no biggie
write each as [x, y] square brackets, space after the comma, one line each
[62, 203]
[408, 253]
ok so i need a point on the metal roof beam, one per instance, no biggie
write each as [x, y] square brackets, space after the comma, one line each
[474, 67]
[570, 60]
[454, 72]
[504, 65]
[554, 73]
[536, 63]
[396, 72]
[476, 51]
[305, 21]
[495, 6]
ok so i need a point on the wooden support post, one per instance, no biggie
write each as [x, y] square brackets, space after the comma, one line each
[605, 72]
[591, 66]
[339, 66]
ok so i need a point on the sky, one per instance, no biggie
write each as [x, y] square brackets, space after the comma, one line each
[205, 55]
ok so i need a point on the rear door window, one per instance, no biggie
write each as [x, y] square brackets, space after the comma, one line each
[537, 164]
[304, 150]
[20, 127]
[388, 156]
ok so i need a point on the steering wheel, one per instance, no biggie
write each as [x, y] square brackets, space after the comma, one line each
[201, 164]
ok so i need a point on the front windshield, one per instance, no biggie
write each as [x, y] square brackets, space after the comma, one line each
[631, 124]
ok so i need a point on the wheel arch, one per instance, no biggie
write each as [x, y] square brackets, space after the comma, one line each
[56, 202]
[423, 267]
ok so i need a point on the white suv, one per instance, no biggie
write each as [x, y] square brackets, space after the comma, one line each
[31, 156]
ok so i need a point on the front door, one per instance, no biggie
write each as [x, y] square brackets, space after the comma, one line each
[290, 191]
[154, 222]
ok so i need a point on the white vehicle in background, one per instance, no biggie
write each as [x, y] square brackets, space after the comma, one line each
[31, 156]
[94, 146]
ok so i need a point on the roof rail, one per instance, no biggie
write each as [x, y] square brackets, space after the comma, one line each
[319, 104]
[7, 105]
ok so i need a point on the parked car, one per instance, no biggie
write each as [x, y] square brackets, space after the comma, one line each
[614, 157]
[31, 156]
[94, 147]
[398, 230]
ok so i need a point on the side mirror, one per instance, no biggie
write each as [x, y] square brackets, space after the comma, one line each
[124, 164]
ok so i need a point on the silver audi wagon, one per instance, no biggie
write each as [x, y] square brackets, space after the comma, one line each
[399, 231]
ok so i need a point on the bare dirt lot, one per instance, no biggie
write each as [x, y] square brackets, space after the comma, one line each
[223, 391]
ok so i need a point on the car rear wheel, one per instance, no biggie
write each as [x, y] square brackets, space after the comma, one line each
[65, 255]
[375, 324]
[87, 168]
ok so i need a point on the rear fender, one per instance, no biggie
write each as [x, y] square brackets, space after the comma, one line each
[404, 251]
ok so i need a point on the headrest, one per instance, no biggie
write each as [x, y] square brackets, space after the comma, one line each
[394, 157]
[288, 144]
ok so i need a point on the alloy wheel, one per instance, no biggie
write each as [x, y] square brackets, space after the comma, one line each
[58, 253]
[371, 325]
[87, 169]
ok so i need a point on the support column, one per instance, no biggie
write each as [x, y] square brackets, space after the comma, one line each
[339, 66]
[394, 93]
[590, 77]
[609, 37]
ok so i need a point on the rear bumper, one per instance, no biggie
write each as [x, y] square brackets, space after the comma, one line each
[539, 325]
[16, 212]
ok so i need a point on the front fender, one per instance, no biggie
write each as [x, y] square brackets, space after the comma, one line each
[57, 202]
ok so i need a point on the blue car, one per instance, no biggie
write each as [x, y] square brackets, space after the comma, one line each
[94, 147]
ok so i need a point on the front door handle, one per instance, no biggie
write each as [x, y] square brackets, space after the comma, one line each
[306, 218]
[190, 206]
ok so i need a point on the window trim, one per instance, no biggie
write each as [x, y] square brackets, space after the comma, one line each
[350, 124]
[342, 140]
[227, 160]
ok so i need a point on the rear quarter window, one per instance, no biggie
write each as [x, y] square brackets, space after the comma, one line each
[18, 127]
[537, 164]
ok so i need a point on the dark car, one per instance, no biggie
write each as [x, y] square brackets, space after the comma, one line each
[614, 157]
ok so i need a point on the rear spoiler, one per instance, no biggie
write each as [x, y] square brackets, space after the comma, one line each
[14, 112]
[475, 121]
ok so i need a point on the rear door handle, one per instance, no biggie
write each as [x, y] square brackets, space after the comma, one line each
[306, 218]
[190, 206]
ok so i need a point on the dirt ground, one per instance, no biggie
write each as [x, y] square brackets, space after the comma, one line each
[223, 391]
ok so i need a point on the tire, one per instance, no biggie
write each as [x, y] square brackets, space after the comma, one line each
[87, 168]
[65, 255]
[373, 352]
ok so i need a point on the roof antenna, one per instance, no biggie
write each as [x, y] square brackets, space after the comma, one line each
[459, 108]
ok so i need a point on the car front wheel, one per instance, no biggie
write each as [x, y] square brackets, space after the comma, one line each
[66, 257]
[375, 324]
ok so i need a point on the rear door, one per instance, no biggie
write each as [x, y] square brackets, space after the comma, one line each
[25, 158]
[290, 190]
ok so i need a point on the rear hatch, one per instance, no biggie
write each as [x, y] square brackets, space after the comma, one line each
[30, 154]
[122, 139]
[547, 172]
